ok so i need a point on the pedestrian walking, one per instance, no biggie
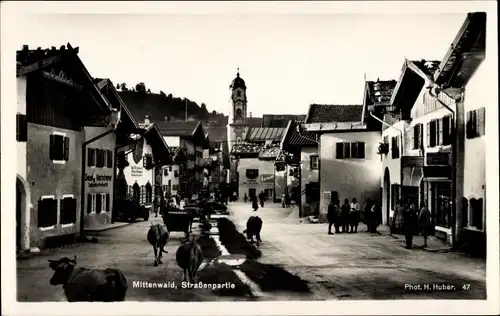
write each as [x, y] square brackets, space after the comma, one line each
[283, 200]
[261, 198]
[255, 205]
[245, 198]
[333, 217]
[398, 218]
[156, 204]
[354, 216]
[367, 216]
[375, 213]
[425, 222]
[344, 216]
[409, 224]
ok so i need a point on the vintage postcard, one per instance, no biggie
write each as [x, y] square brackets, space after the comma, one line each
[247, 158]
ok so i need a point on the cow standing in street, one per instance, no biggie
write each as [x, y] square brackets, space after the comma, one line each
[189, 258]
[254, 226]
[88, 285]
[158, 237]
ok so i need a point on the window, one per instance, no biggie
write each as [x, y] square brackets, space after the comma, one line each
[417, 136]
[98, 203]
[169, 184]
[147, 162]
[446, 126]
[476, 213]
[100, 157]
[59, 148]
[165, 172]
[176, 173]
[395, 147]
[91, 203]
[170, 168]
[314, 161]
[47, 212]
[103, 205]
[68, 210]
[252, 173]
[475, 125]
[91, 157]
[21, 128]
[355, 150]
[238, 93]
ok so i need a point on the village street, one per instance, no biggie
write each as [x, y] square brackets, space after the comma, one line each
[342, 266]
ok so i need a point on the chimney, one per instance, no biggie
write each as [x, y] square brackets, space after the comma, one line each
[147, 120]
[26, 47]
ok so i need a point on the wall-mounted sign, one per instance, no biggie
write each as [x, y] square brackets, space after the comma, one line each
[136, 171]
[98, 180]
[267, 178]
[249, 181]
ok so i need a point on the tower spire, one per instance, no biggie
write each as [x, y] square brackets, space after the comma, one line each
[238, 71]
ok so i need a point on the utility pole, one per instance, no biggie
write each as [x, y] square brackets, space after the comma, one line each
[186, 111]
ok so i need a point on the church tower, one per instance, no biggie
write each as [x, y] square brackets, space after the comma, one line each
[237, 122]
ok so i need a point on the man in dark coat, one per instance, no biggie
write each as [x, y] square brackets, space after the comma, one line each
[410, 221]
[261, 198]
[344, 216]
[255, 204]
[333, 217]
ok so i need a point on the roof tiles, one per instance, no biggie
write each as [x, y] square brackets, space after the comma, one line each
[324, 113]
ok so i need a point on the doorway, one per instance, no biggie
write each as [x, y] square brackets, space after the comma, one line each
[252, 192]
[19, 203]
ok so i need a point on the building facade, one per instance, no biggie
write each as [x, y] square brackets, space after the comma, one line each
[349, 163]
[59, 99]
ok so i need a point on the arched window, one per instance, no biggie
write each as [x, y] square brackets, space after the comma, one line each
[136, 191]
[238, 113]
[149, 193]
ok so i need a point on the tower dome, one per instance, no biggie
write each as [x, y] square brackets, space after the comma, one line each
[238, 82]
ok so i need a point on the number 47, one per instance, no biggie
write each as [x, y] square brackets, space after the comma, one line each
[465, 286]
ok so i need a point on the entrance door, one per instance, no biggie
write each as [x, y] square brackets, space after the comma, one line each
[18, 216]
[252, 192]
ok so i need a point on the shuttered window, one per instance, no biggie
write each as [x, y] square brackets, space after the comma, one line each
[21, 128]
[59, 147]
[68, 210]
[347, 150]
[91, 157]
[447, 130]
[314, 162]
[476, 217]
[100, 157]
[433, 133]
[475, 125]
[355, 150]
[47, 212]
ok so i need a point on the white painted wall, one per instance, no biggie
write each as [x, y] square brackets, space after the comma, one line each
[172, 141]
[135, 172]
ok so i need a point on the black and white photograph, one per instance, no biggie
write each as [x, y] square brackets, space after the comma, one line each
[241, 155]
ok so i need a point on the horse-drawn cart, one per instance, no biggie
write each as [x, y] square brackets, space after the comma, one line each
[178, 220]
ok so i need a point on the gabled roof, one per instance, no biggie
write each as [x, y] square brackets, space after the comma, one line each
[428, 67]
[292, 137]
[262, 134]
[178, 128]
[29, 61]
[379, 91]
[280, 120]
[161, 151]
[325, 113]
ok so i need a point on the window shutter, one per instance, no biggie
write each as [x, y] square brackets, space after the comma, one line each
[414, 137]
[52, 147]
[89, 203]
[110, 159]
[66, 148]
[439, 127]
[428, 134]
[347, 150]
[311, 162]
[468, 126]
[21, 128]
[481, 122]
[361, 150]
[354, 150]
[480, 215]
[107, 202]
[465, 212]
[339, 150]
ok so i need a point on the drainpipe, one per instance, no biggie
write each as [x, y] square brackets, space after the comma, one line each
[401, 151]
[456, 214]
[82, 192]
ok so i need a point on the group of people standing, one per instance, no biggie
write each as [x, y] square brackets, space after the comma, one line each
[286, 200]
[412, 221]
[255, 199]
[346, 217]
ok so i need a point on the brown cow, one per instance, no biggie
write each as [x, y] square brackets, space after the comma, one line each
[189, 258]
[88, 285]
[158, 237]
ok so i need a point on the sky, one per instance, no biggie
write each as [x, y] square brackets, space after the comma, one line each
[288, 61]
